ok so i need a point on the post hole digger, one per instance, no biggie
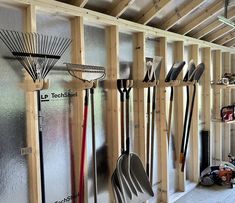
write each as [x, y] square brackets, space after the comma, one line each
[129, 180]
[37, 54]
[97, 73]
[152, 74]
[194, 76]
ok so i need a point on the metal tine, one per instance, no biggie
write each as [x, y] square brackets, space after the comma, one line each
[17, 39]
[27, 67]
[60, 47]
[85, 68]
[10, 40]
[63, 47]
[53, 45]
[34, 43]
[20, 41]
[66, 43]
[51, 66]
[58, 44]
[47, 67]
[4, 38]
[27, 42]
[44, 66]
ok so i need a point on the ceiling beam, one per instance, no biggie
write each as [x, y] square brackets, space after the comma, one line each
[219, 33]
[79, 3]
[225, 39]
[118, 7]
[151, 11]
[180, 13]
[230, 43]
[101, 19]
[213, 25]
[204, 15]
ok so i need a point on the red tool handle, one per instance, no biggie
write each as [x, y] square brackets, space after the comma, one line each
[83, 151]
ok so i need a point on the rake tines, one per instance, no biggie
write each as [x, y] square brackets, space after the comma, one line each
[96, 72]
[36, 52]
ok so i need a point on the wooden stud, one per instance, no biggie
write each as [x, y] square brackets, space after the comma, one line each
[226, 100]
[138, 94]
[213, 26]
[202, 17]
[112, 113]
[119, 7]
[226, 38]
[220, 33]
[206, 94]
[32, 124]
[161, 123]
[178, 115]
[78, 54]
[216, 107]
[151, 11]
[103, 19]
[181, 12]
[194, 54]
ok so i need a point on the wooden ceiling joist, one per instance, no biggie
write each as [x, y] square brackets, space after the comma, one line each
[183, 11]
[230, 43]
[228, 37]
[219, 33]
[151, 11]
[202, 17]
[80, 3]
[213, 25]
[118, 7]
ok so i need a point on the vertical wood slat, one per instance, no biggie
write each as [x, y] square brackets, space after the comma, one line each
[226, 100]
[206, 94]
[178, 115]
[77, 30]
[32, 124]
[139, 113]
[113, 107]
[161, 123]
[194, 54]
[216, 106]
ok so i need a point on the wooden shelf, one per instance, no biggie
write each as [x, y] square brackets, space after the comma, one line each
[225, 122]
[222, 86]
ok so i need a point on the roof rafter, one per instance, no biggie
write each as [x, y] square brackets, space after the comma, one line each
[118, 7]
[219, 33]
[228, 37]
[230, 43]
[181, 12]
[202, 17]
[151, 11]
[80, 3]
[213, 25]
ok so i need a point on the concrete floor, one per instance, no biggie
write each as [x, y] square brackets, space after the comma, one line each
[214, 194]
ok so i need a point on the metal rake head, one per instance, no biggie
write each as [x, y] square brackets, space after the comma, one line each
[36, 52]
[94, 72]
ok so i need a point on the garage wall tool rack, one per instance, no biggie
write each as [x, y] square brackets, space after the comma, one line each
[113, 26]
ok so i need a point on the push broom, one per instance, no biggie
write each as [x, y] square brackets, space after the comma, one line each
[38, 54]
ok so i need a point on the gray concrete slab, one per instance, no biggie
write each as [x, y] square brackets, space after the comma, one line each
[214, 194]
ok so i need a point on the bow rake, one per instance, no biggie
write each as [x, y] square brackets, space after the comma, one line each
[90, 69]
